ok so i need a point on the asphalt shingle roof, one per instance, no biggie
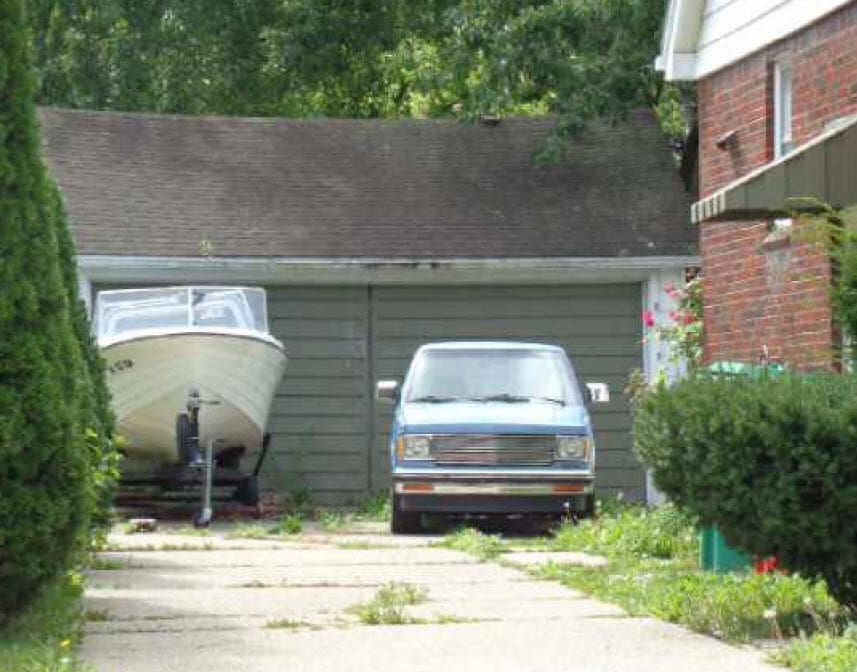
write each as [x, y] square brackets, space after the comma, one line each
[180, 186]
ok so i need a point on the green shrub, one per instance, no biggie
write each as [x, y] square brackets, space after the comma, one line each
[55, 456]
[771, 462]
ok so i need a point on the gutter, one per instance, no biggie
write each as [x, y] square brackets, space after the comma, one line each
[105, 269]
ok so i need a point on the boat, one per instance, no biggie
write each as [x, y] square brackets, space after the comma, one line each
[189, 367]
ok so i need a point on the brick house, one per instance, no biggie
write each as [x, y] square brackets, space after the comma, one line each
[777, 94]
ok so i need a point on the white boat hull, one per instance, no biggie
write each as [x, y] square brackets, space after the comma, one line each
[150, 375]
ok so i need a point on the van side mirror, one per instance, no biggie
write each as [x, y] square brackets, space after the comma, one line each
[387, 389]
[598, 393]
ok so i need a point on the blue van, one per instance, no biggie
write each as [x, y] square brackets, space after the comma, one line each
[491, 428]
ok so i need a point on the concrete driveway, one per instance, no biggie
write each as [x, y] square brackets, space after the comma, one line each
[257, 606]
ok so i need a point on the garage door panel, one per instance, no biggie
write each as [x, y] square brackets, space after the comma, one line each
[484, 309]
[326, 406]
[333, 386]
[559, 327]
[315, 425]
[340, 309]
[584, 346]
[341, 444]
[319, 328]
[318, 419]
[471, 293]
[325, 369]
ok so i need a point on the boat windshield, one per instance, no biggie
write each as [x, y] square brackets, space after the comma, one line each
[121, 311]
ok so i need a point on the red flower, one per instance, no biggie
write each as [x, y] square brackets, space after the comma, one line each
[649, 319]
[689, 319]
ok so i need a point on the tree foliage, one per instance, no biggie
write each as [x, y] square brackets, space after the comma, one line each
[578, 59]
[54, 421]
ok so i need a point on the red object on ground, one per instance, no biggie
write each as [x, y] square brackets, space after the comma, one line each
[767, 565]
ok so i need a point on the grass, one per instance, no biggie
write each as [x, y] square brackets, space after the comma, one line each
[389, 604]
[44, 638]
[821, 653]
[332, 521]
[653, 570]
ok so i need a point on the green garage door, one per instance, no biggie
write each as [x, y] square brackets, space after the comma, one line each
[330, 436]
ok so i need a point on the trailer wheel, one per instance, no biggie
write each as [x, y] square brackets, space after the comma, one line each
[184, 438]
[403, 522]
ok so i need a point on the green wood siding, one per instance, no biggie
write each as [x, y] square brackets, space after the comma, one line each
[330, 435]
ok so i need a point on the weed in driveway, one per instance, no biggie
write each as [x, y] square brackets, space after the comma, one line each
[252, 531]
[96, 615]
[388, 605]
[188, 531]
[376, 508]
[332, 521]
[290, 524]
[290, 624]
[474, 542]
[105, 564]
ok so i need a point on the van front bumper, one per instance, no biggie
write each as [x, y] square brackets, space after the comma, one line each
[483, 493]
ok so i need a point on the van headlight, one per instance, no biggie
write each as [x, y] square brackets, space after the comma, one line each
[573, 448]
[414, 447]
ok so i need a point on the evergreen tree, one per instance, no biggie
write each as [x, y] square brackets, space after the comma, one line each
[53, 419]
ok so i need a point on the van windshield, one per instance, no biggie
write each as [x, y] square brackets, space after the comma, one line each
[507, 375]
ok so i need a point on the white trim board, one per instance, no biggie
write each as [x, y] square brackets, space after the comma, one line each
[283, 270]
[704, 36]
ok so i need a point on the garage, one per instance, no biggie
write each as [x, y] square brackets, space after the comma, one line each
[329, 433]
[374, 237]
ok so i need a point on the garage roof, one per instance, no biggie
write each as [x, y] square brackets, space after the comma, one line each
[152, 185]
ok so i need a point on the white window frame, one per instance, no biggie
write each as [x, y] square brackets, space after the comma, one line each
[783, 109]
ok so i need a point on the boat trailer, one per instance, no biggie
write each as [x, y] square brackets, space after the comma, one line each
[201, 468]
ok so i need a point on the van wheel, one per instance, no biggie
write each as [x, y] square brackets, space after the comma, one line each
[403, 522]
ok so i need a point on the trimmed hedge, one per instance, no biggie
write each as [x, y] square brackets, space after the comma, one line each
[771, 462]
[55, 452]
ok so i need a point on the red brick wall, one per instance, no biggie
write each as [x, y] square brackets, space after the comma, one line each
[758, 295]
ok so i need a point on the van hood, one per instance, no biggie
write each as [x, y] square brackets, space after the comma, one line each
[534, 417]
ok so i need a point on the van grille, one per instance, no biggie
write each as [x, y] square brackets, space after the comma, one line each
[482, 450]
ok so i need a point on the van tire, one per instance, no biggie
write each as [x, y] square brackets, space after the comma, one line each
[403, 522]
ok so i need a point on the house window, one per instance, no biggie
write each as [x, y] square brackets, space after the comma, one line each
[783, 79]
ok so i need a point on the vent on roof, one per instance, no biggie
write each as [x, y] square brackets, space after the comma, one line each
[489, 120]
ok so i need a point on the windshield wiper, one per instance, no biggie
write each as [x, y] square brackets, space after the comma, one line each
[432, 399]
[551, 400]
[505, 396]
[517, 398]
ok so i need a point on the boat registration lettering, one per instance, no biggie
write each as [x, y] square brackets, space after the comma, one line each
[120, 365]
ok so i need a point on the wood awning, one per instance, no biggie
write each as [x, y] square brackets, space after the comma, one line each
[824, 168]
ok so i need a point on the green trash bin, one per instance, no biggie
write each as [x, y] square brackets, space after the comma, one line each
[715, 555]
